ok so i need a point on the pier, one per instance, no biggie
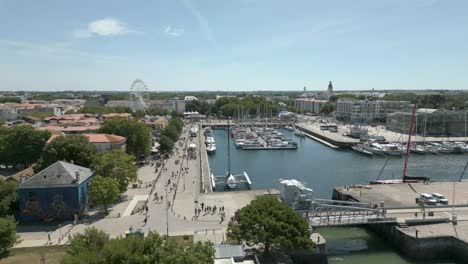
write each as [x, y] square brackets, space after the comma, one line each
[421, 231]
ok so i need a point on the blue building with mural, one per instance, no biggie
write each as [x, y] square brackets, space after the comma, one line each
[56, 193]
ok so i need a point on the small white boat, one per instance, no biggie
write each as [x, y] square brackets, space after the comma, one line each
[231, 182]
[299, 133]
[290, 128]
[210, 148]
[359, 149]
[209, 140]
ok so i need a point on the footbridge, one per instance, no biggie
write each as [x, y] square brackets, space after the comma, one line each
[322, 212]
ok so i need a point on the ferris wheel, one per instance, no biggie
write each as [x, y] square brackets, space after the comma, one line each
[139, 96]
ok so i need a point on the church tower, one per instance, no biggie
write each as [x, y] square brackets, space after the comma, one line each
[330, 88]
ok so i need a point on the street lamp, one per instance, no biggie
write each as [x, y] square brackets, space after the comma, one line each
[167, 210]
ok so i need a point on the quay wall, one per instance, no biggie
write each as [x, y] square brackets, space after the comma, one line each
[205, 171]
[428, 248]
[339, 144]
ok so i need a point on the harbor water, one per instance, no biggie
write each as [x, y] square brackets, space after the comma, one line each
[322, 168]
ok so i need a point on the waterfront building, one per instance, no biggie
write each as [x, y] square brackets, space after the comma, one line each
[366, 111]
[309, 105]
[430, 122]
[58, 192]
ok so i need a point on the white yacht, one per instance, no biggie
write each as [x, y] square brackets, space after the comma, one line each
[210, 148]
[374, 147]
[393, 150]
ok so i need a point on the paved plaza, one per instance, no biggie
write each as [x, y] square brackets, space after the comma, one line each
[185, 213]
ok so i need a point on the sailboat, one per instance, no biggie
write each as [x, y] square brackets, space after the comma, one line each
[406, 178]
[231, 181]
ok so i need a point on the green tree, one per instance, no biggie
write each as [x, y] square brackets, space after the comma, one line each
[8, 236]
[8, 198]
[166, 144]
[76, 148]
[10, 100]
[86, 247]
[117, 165]
[103, 191]
[135, 250]
[171, 132]
[270, 222]
[178, 123]
[24, 144]
[229, 109]
[327, 108]
[138, 134]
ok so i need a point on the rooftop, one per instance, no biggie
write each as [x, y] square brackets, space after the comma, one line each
[59, 173]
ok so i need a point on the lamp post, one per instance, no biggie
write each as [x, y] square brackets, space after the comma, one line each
[167, 210]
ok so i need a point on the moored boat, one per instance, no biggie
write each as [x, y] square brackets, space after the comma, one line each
[361, 150]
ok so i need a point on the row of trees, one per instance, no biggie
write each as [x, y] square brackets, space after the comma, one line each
[95, 246]
[229, 106]
[21, 145]
[170, 134]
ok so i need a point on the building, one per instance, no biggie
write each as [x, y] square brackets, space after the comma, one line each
[103, 142]
[366, 111]
[430, 122]
[118, 103]
[58, 192]
[107, 142]
[309, 105]
[190, 98]
[180, 106]
[104, 117]
[168, 105]
[321, 95]
[58, 129]
[20, 176]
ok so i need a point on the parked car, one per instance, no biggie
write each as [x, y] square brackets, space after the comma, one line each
[427, 199]
[440, 198]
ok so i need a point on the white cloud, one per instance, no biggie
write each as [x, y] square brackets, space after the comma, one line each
[173, 31]
[105, 27]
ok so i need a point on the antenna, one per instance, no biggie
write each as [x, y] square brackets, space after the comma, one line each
[409, 142]
[229, 148]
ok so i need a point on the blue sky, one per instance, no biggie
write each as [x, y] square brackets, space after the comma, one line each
[233, 44]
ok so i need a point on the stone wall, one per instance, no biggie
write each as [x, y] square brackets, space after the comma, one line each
[432, 248]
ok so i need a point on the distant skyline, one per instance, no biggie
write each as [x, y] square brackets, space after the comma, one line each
[238, 45]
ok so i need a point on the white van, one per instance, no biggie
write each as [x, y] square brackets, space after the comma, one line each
[427, 199]
[440, 198]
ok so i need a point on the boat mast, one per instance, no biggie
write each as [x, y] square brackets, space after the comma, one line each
[409, 142]
[229, 148]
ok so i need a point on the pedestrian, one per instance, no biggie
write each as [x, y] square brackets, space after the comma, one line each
[49, 241]
[146, 209]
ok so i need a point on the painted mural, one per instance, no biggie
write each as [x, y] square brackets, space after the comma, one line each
[47, 207]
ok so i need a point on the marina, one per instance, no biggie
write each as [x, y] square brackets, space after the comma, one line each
[322, 168]
[262, 138]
